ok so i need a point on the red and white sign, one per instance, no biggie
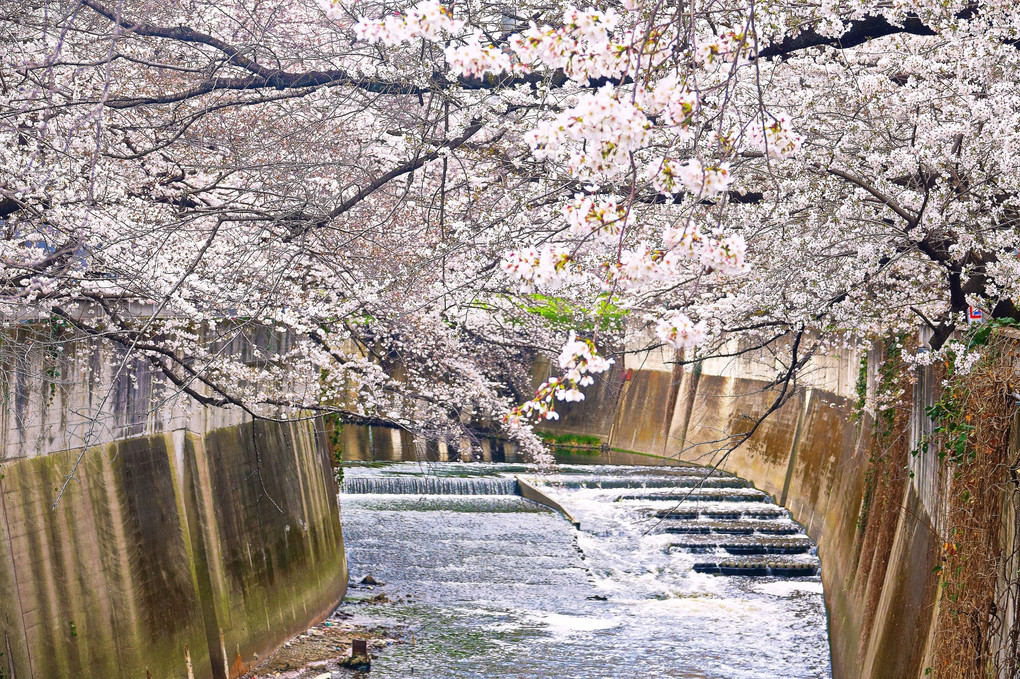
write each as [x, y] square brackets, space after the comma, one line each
[974, 315]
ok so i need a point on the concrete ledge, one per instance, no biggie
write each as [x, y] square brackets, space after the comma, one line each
[531, 492]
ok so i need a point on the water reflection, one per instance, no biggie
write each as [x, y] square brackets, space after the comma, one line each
[366, 443]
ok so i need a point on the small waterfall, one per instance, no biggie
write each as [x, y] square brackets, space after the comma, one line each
[549, 600]
[428, 485]
[611, 482]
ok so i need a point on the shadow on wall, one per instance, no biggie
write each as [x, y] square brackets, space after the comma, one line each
[168, 554]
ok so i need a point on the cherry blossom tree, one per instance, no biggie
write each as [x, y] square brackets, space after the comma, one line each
[419, 197]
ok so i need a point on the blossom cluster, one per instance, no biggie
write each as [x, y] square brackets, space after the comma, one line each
[579, 360]
[671, 100]
[726, 254]
[963, 357]
[637, 266]
[775, 137]
[726, 47]
[475, 58]
[601, 215]
[428, 19]
[668, 176]
[583, 46]
[596, 137]
[679, 332]
[548, 267]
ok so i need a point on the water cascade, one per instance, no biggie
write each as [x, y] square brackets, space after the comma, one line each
[428, 485]
[733, 530]
[489, 584]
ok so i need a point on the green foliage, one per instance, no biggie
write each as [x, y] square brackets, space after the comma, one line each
[559, 312]
[983, 332]
[334, 433]
[888, 374]
[862, 389]
[952, 425]
[576, 440]
[52, 354]
[570, 445]
[566, 454]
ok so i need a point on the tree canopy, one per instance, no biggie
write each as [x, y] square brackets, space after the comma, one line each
[420, 198]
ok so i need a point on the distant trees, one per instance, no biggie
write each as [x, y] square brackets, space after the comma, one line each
[421, 197]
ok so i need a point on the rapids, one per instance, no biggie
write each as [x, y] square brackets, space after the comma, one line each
[488, 584]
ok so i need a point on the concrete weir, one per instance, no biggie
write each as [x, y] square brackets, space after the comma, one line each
[532, 492]
[738, 531]
[498, 586]
[730, 528]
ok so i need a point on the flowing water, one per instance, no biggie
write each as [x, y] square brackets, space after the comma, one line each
[491, 585]
[428, 485]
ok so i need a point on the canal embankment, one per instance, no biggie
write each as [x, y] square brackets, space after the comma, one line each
[146, 536]
[878, 502]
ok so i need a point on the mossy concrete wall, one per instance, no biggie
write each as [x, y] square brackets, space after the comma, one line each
[168, 555]
[877, 551]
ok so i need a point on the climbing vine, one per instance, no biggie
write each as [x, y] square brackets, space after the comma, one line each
[972, 421]
[861, 389]
[887, 402]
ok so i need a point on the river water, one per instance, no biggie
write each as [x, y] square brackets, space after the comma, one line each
[488, 584]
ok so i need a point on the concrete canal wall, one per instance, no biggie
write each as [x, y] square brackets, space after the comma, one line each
[873, 513]
[188, 542]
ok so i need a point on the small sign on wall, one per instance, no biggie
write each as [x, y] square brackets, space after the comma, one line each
[974, 315]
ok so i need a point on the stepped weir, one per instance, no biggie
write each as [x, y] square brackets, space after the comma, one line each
[728, 527]
[632, 585]
[429, 485]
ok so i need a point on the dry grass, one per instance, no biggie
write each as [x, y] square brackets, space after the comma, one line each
[969, 618]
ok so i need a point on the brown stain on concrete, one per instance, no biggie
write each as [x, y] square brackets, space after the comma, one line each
[908, 594]
[138, 562]
[879, 588]
[642, 414]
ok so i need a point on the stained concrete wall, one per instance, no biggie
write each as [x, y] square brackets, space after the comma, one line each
[61, 397]
[179, 558]
[188, 542]
[877, 549]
